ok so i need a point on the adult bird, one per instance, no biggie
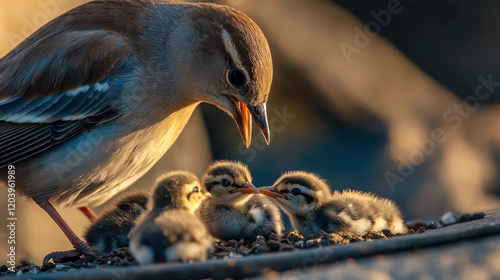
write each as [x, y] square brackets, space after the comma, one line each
[93, 99]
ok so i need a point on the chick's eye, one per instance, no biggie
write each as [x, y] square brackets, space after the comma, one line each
[196, 189]
[237, 78]
[225, 183]
[296, 191]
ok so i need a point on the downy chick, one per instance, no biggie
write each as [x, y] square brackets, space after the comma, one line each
[110, 231]
[234, 211]
[308, 201]
[171, 231]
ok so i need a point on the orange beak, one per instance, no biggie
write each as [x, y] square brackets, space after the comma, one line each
[247, 188]
[272, 192]
[242, 116]
[243, 120]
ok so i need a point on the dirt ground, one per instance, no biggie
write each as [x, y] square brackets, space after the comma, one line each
[290, 241]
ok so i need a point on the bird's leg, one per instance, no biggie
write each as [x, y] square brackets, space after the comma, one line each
[88, 213]
[80, 246]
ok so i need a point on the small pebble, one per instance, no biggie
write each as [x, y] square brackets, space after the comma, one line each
[432, 225]
[60, 267]
[471, 217]
[47, 266]
[232, 243]
[274, 245]
[300, 244]
[291, 240]
[449, 218]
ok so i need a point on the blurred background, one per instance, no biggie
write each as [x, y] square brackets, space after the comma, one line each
[398, 98]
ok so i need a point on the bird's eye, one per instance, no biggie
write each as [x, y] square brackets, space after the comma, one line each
[296, 191]
[196, 189]
[237, 78]
[225, 183]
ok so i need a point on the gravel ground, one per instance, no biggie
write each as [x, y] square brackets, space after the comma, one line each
[291, 240]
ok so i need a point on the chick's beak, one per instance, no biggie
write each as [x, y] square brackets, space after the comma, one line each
[247, 188]
[207, 196]
[242, 117]
[272, 192]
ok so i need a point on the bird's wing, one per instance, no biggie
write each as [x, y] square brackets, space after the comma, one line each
[327, 216]
[56, 87]
[55, 62]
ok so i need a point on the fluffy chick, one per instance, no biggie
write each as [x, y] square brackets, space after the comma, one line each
[110, 231]
[171, 231]
[311, 206]
[235, 212]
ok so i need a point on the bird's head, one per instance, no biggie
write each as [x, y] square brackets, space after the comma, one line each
[298, 192]
[178, 190]
[231, 66]
[229, 182]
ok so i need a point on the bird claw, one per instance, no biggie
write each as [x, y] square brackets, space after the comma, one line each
[72, 255]
[60, 256]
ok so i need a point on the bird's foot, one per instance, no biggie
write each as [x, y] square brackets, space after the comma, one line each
[62, 256]
[73, 255]
[81, 248]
